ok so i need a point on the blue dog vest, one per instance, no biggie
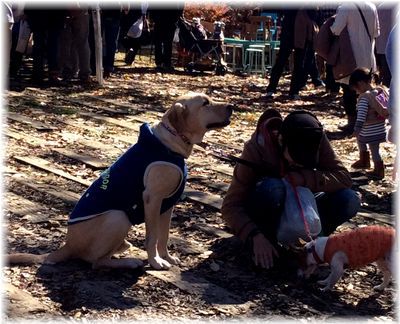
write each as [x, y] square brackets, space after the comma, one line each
[121, 186]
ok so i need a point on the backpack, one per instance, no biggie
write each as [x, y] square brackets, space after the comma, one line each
[379, 102]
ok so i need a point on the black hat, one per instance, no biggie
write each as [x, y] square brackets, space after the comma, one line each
[301, 134]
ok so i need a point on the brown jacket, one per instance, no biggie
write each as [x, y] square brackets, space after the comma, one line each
[336, 50]
[305, 29]
[263, 149]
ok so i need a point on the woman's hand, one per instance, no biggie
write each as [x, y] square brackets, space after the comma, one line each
[264, 252]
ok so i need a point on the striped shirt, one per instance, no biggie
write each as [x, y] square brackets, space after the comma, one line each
[371, 133]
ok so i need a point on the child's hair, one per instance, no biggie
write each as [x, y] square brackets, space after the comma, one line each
[360, 75]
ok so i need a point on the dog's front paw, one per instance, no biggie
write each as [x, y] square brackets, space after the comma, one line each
[159, 263]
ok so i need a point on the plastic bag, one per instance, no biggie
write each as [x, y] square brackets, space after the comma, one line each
[291, 226]
[135, 31]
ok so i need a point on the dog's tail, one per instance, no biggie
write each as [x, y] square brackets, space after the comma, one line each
[25, 258]
[59, 255]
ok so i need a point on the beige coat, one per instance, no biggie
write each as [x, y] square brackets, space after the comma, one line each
[347, 15]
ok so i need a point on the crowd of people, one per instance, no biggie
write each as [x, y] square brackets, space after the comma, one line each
[64, 38]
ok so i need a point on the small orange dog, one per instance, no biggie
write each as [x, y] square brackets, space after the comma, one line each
[353, 248]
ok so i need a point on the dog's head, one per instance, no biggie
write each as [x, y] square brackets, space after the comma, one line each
[194, 114]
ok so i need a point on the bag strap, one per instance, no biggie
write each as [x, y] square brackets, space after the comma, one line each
[296, 194]
[365, 23]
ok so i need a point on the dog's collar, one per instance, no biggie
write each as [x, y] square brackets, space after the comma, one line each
[173, 132]
[315, 254]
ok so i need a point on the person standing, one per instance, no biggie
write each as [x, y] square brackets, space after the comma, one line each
[165, 20]
[46, 26]
[285, 50]
[298, 32]
[110, 24]
[386, 22]
[370, 127]
[74, 52]
[362, 39]
[132, 45]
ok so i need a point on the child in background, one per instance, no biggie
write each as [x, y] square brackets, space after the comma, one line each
[370, 123]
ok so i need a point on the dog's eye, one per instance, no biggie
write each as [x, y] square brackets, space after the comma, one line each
[206, 102]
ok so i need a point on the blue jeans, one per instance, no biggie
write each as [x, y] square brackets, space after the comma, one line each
[267, 203]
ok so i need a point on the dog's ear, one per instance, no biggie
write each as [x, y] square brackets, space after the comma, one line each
[176, 116]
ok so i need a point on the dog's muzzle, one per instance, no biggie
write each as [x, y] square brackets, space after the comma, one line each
[226, 122]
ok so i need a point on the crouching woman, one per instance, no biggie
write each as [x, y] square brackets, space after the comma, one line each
[296, 149]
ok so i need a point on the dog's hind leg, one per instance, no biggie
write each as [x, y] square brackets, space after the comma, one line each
[383, 266]
[124, 247]
[60, 255]
[128, 263]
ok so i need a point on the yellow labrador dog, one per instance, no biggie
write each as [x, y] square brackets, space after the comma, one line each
[141, 185]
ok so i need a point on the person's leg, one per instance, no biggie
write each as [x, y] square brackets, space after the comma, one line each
[379, 167]
[158, 46]
[38, 54]
[384, 73]
[66, 51]
[330, 82]
[349, 105]
[80, 29]
[298, 72]
[111, 31]
[336, 208]
[92, 46]
[364, 160]
[168, 39]
[52, 53]
[313, 68]
[266, 205]
[15, 57]
[277, 69]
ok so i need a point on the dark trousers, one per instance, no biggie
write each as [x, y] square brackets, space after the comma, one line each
[330, 82]
[297, 80]
[110, 31]
[163, 37]
[310, 67]
[384, 73]
[349, 101]
[45, 45]
[267, 202]
[15, 57]
[277, 69]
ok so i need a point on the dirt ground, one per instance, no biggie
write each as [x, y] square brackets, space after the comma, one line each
[49, 129]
